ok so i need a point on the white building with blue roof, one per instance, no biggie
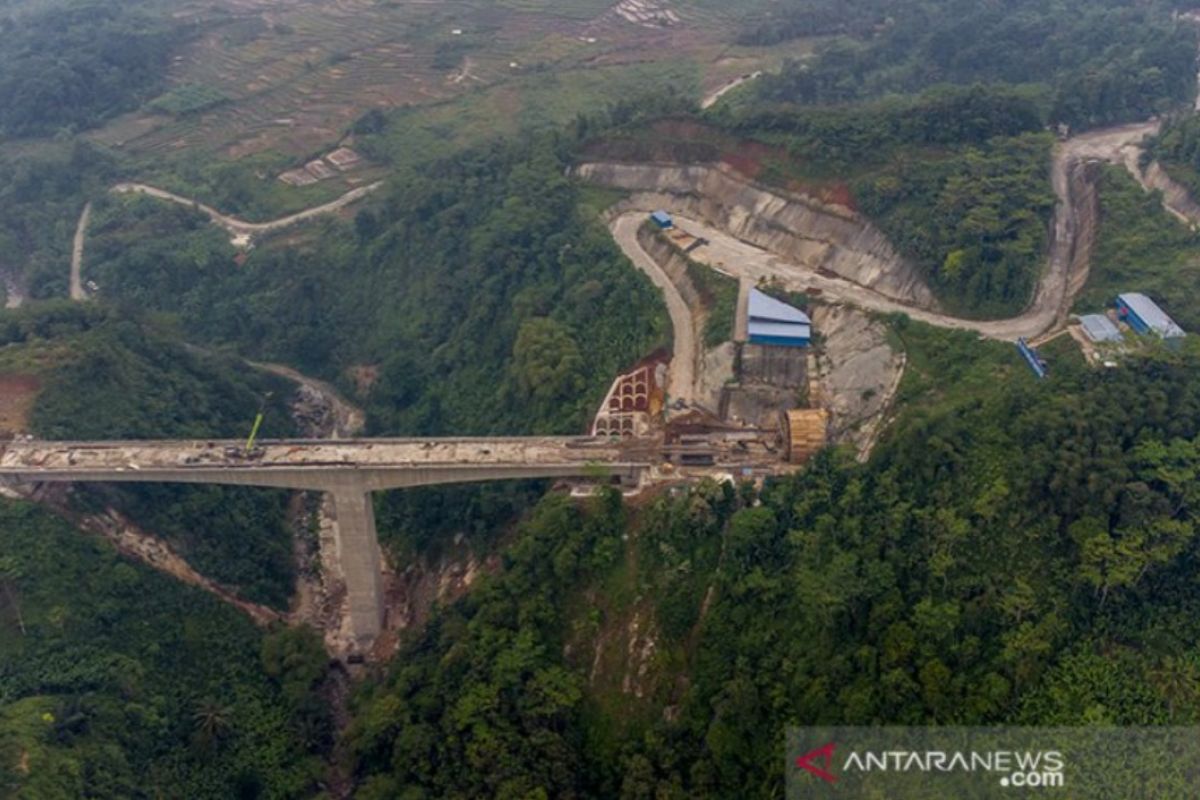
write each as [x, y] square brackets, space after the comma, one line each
[1144, 316]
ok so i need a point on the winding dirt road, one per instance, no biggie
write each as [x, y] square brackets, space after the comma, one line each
[712, 97]
[241, 230]
[1064, 275]
[76, 285]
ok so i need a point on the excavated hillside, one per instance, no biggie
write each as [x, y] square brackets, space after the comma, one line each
[798, 228]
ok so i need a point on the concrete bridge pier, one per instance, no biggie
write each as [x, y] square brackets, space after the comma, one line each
[360, 560]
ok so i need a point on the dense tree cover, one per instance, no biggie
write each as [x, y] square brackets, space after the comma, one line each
[107, 376]
[957, 177]
[844, 140]
[1141, 247]
[485, 297]
[1011, 538]
[481, 705]
[1177, 149]
[73, 65]
[119, 683]
[975, 224]
[41, 197]
[1101, 60]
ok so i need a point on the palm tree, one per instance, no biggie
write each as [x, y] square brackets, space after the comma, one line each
[212, 722]
[1178, 681]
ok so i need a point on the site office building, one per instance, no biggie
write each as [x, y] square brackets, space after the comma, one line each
[1144, 316]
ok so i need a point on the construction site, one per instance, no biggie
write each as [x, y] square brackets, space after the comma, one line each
[785, 367]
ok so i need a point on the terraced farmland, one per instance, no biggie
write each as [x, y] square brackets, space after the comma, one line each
[298, 73]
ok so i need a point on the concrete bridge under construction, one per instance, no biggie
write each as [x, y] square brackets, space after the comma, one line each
[348, 470]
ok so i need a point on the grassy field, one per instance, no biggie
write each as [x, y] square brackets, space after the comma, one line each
[530, 102]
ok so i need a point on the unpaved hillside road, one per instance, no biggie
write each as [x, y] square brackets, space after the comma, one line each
[1176, 199]
[348, 419]
[1065, 272]
[76, 285]
[712, 97]
[681, 378]
[241, 230]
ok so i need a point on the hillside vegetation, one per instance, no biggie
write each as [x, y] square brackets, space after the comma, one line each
[1177, 149]
[993, 563]
[71, 65]
[1140, 247]
[487, 300]
[122, 684]
[107, 376]
[1095, 61]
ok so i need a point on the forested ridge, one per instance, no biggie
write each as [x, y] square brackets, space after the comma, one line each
[108, 375]
[74, 64]
[1096, 61]
[1015, 551]
[1177, 148]
[117, 681]
[996, 562]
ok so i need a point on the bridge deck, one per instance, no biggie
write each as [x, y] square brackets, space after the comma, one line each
[46, 457]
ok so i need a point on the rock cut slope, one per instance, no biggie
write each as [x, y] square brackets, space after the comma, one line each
[803, 230]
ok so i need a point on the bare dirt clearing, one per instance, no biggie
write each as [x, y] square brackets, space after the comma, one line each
[17, 395]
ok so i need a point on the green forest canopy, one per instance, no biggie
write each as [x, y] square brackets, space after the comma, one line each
[1015, 552]
[996, 562]
[74, 64]
[1098, 61]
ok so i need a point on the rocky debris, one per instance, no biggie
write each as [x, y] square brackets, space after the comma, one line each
[135, 543]
[412, 594]
[646, 13]
[859, 373]
[313, 413]
[642, 646]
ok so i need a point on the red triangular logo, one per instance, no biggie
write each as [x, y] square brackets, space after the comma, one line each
[825, 756]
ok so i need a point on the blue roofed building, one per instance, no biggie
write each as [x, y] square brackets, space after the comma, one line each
[773, 322]
[1144, 316]
[662, 219]
[1100, 329]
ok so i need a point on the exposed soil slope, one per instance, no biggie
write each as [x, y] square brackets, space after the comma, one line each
[820, 236]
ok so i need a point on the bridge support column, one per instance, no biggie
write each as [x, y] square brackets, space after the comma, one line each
[358, 554]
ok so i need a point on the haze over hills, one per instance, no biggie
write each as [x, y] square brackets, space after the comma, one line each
[940, 471]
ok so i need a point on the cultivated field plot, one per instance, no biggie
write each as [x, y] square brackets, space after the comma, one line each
[290, 77]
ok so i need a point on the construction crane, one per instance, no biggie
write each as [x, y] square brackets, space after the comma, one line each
[258, 418]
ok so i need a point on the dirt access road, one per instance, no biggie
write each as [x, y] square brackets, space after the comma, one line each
[76, 285]
[681, 378]
[712, 97]
[241, 230]
[1064, 275]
